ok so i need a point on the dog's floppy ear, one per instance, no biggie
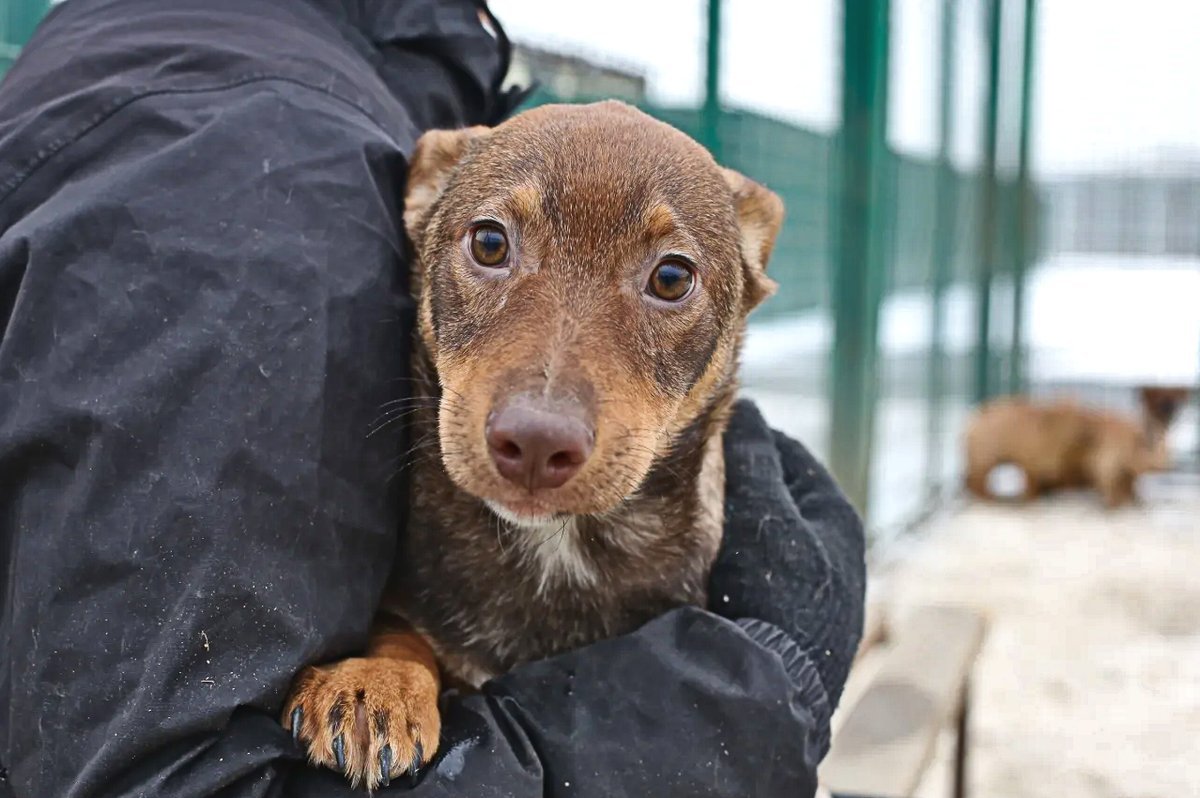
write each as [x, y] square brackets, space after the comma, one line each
[759, 215]
[433, 160]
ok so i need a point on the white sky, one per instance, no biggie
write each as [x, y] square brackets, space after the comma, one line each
[1114, 79]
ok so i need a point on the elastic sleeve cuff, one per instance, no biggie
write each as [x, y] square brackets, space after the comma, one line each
[800, 668]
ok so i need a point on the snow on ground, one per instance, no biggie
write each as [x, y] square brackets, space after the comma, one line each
[1088, 685]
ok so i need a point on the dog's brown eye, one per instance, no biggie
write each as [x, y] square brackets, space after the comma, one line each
[489, 245]
[671, 280]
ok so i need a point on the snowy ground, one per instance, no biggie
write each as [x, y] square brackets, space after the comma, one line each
[1096, 327]
[1088, 685]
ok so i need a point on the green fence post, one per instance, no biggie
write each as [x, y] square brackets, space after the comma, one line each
[23, 17]
[859, 229]
[711, 111]
[18, 20]
[943, 247]
[1023, 248]
[991, 207]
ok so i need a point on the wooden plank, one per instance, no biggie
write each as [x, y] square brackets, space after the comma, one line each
[866, 662]
[874, 630]
[886, 742]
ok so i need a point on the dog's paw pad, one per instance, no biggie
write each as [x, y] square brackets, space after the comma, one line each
[372, 719]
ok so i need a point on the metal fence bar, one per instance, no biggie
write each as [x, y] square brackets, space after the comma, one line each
[991, 207]
[945, 232]
[18, 20]
[21, 19]
[1023, 242]
[859, 227]
[710, 135]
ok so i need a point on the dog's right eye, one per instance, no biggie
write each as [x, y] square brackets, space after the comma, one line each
[489, 245]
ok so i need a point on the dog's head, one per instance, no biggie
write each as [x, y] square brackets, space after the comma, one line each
[1161, 404]
[585, 274]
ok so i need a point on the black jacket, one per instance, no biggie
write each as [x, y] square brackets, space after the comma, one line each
[203, 306]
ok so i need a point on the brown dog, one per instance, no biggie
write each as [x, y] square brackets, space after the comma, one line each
[1064, 445]
[584, 276]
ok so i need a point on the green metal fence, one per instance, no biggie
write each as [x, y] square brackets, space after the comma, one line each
[18, 18]
[933, 244]
[868, 225]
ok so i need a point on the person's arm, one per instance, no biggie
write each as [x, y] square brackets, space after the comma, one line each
[794, 548]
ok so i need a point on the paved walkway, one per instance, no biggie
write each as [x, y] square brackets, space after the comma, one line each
[1089, 683]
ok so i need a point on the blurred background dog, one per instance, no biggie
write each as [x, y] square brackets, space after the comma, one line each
[1064, 444]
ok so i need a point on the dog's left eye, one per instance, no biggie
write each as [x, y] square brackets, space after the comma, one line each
[489, 245]
[671, 281]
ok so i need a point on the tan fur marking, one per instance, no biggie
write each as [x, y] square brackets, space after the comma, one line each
[710, 492]
[526, 202]
[659, 222]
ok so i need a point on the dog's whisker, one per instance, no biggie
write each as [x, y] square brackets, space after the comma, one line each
[383, 424]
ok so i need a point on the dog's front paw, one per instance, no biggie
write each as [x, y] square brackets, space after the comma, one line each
[372, 718]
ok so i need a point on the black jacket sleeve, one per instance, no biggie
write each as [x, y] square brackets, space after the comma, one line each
[203, 306]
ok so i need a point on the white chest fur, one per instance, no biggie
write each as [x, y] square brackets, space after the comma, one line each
[553, 546]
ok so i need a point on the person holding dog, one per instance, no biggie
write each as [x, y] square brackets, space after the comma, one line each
[204, 304]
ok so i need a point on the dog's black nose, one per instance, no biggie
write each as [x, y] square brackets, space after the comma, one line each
[537, 448]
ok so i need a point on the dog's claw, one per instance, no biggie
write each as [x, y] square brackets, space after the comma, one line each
[385, 765]
[415, 765]
[297, 720]
[335, 701]
[339, 751]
